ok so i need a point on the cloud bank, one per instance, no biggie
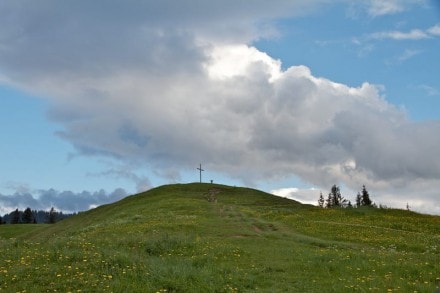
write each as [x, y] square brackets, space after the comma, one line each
[65, 201]
[168, 85]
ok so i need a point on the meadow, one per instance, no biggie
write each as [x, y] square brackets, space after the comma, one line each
[215, 238]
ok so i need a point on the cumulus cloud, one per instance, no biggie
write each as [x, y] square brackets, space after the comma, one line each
[169, 86]
[66, 201]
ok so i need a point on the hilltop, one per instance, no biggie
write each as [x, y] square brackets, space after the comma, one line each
[194, 200]
[217, 238]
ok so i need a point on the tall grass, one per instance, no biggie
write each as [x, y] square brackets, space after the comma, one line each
[174, 239]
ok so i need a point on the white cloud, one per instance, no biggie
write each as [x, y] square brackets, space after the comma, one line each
[386, 7]
[402, 57]
[383, 7]
[429, 90]
[435, 30]
[169, 87]
[408, 54]
[306, 196]
[233, 60]
[414, 34]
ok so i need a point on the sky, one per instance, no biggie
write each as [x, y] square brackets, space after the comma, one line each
[103, 99]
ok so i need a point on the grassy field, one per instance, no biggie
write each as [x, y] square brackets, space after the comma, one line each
[214, 238]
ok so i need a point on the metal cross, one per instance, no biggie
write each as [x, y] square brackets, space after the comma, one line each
[200, 170]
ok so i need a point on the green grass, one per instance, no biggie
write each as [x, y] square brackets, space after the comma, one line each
[215, 238]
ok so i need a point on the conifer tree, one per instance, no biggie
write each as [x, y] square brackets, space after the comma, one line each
[15, 217]
[335, 199]
[336, 194]
[365, 198]
[321, 200]
[28, 216]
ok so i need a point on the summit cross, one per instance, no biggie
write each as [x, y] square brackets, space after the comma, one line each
[200, 170]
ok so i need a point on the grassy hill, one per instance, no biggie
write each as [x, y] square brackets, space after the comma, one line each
[215, 238]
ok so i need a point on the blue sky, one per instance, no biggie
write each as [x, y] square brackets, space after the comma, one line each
[98, 101]
[342, 48]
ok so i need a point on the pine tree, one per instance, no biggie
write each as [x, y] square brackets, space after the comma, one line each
[28, 216]
[335, 199]
[15, 217]
[365, 199]
[336, 194]
[321, 200]
[1, 220]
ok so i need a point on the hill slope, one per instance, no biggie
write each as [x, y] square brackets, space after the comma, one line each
[215, 238]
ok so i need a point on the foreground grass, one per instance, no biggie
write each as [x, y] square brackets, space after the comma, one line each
[213, 238]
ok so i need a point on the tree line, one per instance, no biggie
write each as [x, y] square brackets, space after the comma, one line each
[29, 216]
[335, 199]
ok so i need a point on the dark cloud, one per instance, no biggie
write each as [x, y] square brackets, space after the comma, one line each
[76, 38]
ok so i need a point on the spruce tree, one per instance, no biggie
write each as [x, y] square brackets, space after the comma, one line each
[28, 216]
[15, 217]
[337, 199]
[321, 200]
[365, 200]
[336, 195]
